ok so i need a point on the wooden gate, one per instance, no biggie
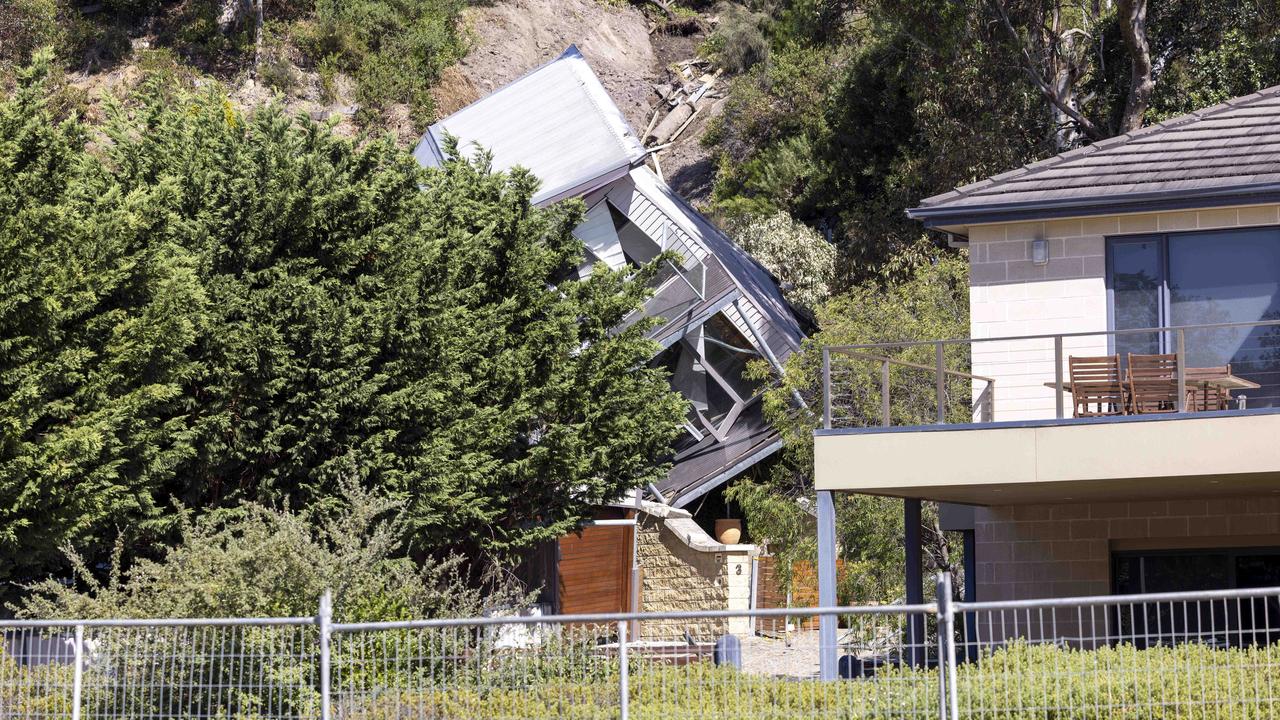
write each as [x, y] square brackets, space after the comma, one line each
[595, 570]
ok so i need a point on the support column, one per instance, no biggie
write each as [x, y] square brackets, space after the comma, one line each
[970, 594]
[827, 650]
[914, 580]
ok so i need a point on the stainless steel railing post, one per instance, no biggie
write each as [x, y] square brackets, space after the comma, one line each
[77, 682]
[949, 701]
[826, 388]
[1181, 400]
[624, 690]
[940, 386]
[324, 619]
[1057, 377]
[884, 393]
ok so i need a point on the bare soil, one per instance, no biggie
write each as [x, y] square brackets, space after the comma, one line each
[626, 49]
[513, 37]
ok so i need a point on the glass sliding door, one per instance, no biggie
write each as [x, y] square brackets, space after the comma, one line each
[1196, 278]
[1230, 623]
[1137, 293]
[1227, 277]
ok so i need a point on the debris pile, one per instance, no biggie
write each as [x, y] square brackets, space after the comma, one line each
[690, 91]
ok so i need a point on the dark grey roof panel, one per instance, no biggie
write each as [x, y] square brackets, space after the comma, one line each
[1231, 149]
[708, 460]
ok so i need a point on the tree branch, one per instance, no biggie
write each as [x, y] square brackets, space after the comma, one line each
[1037, 78]
[1133, 28]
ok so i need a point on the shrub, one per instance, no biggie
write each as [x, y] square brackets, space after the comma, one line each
[221, 307]
[258, 561]
[1020, 682]
[133, 7]
[26, 25]
[327, 76]
[1189, 682]
[394, 49]
[274, 68]
[35, 691]
[738, 42]
[796, 254]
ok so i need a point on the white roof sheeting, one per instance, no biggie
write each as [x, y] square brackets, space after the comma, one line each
[766, 307]
[557, 121]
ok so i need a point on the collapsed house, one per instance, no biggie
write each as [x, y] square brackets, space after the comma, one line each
[720, 309]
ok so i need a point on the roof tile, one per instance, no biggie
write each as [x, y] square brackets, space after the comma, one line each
[1232, 144]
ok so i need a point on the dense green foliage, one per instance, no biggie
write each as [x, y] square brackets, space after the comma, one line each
[221, 307]
[217, 307]
[931, 302]
[859, 110]
[1019, 683]
[863, 108]
[801, 259]
[258, 561]
[252, 561]
[394, 49]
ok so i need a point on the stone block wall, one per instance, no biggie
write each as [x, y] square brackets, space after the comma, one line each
[690, 573]
[1064, 550]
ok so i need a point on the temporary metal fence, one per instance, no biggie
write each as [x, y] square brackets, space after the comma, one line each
[1197, 655]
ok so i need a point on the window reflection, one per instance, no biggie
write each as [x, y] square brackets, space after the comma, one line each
[1203, 278]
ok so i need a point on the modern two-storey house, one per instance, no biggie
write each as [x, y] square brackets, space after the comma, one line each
[1112, 424]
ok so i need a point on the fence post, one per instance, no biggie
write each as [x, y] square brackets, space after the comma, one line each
[948, 700]
[884, 394]
[77, 682]
[323, 619]
[623, 672]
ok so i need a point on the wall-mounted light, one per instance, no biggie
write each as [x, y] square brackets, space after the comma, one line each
[1040, 251]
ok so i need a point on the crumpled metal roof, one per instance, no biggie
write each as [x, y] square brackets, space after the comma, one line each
[1225, 154]
[557, 121]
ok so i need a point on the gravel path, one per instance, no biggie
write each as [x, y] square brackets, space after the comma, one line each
[796, 656]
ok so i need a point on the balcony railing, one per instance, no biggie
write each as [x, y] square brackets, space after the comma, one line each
[965, 380]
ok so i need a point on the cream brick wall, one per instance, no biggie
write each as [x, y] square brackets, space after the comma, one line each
[1064, 550]
[1011, 296]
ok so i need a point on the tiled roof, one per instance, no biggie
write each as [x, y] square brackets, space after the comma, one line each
[1228, 150]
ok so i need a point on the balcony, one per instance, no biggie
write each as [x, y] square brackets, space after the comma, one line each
[996, 421]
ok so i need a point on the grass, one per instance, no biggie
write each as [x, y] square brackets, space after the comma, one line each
[1189, 682]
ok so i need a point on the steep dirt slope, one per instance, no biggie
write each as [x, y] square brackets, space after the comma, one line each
[635, 48]
[515, 36]
[624, 48]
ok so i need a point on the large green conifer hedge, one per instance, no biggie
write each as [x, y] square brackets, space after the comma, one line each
[205, 305]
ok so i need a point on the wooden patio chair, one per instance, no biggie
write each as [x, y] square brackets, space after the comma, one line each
[1096, 386]
[1153, 383]
[1204, 397]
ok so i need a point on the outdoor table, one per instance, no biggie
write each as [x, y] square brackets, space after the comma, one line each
[1225, 381]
